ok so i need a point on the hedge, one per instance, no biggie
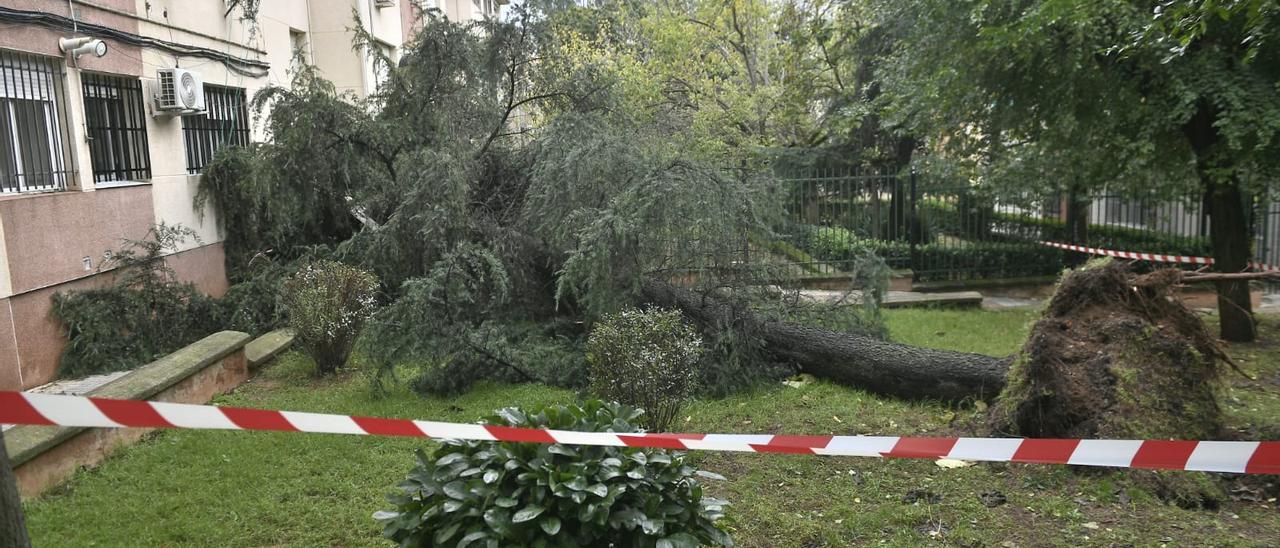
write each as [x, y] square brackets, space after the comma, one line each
[936, 261]
[943, 217]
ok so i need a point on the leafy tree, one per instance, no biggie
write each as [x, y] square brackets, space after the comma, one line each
[840, 47]
[519, 170]
[1155, 97]
[290, 192]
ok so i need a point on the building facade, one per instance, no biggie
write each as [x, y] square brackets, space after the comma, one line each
[91, 156]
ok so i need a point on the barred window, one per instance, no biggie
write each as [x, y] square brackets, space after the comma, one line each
[224, 123]
[116, 125]
[33, 137]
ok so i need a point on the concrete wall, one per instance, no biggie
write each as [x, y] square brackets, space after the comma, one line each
[32, 336]
[351, 70]
[44, 456]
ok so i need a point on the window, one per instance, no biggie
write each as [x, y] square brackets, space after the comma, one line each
[224, 123]
[485, 7]
[378, 67]
[116, 126]
[33, 153]
[297, 49]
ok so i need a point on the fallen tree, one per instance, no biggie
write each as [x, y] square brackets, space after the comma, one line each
[1073, 378]
[879, 366]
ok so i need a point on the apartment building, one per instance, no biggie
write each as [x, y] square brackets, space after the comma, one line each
[102, 141]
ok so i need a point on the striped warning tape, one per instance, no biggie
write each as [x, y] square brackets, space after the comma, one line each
[1248, 457]
[1156, 257]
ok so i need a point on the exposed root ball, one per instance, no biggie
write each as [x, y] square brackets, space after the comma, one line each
[1114, 356]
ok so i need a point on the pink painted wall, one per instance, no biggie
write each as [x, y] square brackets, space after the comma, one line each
[47, 236]
[32, 338]
[10, 377]
[408, 21]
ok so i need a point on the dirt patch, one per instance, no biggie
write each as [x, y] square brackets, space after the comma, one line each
[1117, 355]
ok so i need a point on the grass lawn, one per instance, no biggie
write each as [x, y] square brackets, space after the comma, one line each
[234, 488]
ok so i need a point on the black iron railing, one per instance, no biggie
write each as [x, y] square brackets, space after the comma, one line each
[116, 124]
[225, 123]
[34, 136]
[945, 231]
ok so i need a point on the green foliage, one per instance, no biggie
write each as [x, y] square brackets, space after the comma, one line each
[942, 261]
[647, 359]
[549, 352]
[625, 200]
[144, 314]
[328, 303]
[442, 319]
[1010, 227]
[1145, 96]
[833, 243]
[468, 492]
[278, 197]
[558, 180]
[1121, 238]
[987, 259]
[254, 304]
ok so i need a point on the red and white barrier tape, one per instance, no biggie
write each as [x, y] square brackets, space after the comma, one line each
[1157, 257]
[1248, 457]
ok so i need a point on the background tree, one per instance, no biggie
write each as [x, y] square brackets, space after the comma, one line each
[1163, 97]
[13, 526]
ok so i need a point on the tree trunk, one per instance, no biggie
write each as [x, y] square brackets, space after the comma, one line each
[1077, 221]
[883, 367]
[903, 221]
[13, 527]
[1229, 233]
[1228, 224]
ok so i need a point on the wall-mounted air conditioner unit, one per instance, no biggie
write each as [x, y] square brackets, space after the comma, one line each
[385, 3]
[181, 92]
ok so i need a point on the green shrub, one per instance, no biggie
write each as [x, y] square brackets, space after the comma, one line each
[938, 262]
[146, 313]
[1010, 228]
[478, 493]
[328, 303]
[1009, 258]
[254, 304]
[836, 244]
[645, 358]
[1120, 238]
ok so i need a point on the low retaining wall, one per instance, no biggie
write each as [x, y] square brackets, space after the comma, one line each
[44, 456]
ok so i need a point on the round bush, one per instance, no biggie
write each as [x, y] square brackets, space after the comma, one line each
[477, 493]
[328, 302]
[647, 359]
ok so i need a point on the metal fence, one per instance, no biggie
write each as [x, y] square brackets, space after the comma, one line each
[953, 232]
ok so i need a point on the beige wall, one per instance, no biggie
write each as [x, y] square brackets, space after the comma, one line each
[198, 23]
[331, 29]
[36, 39]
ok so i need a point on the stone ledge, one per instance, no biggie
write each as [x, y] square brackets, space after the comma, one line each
[262, 349]
[27, 442]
